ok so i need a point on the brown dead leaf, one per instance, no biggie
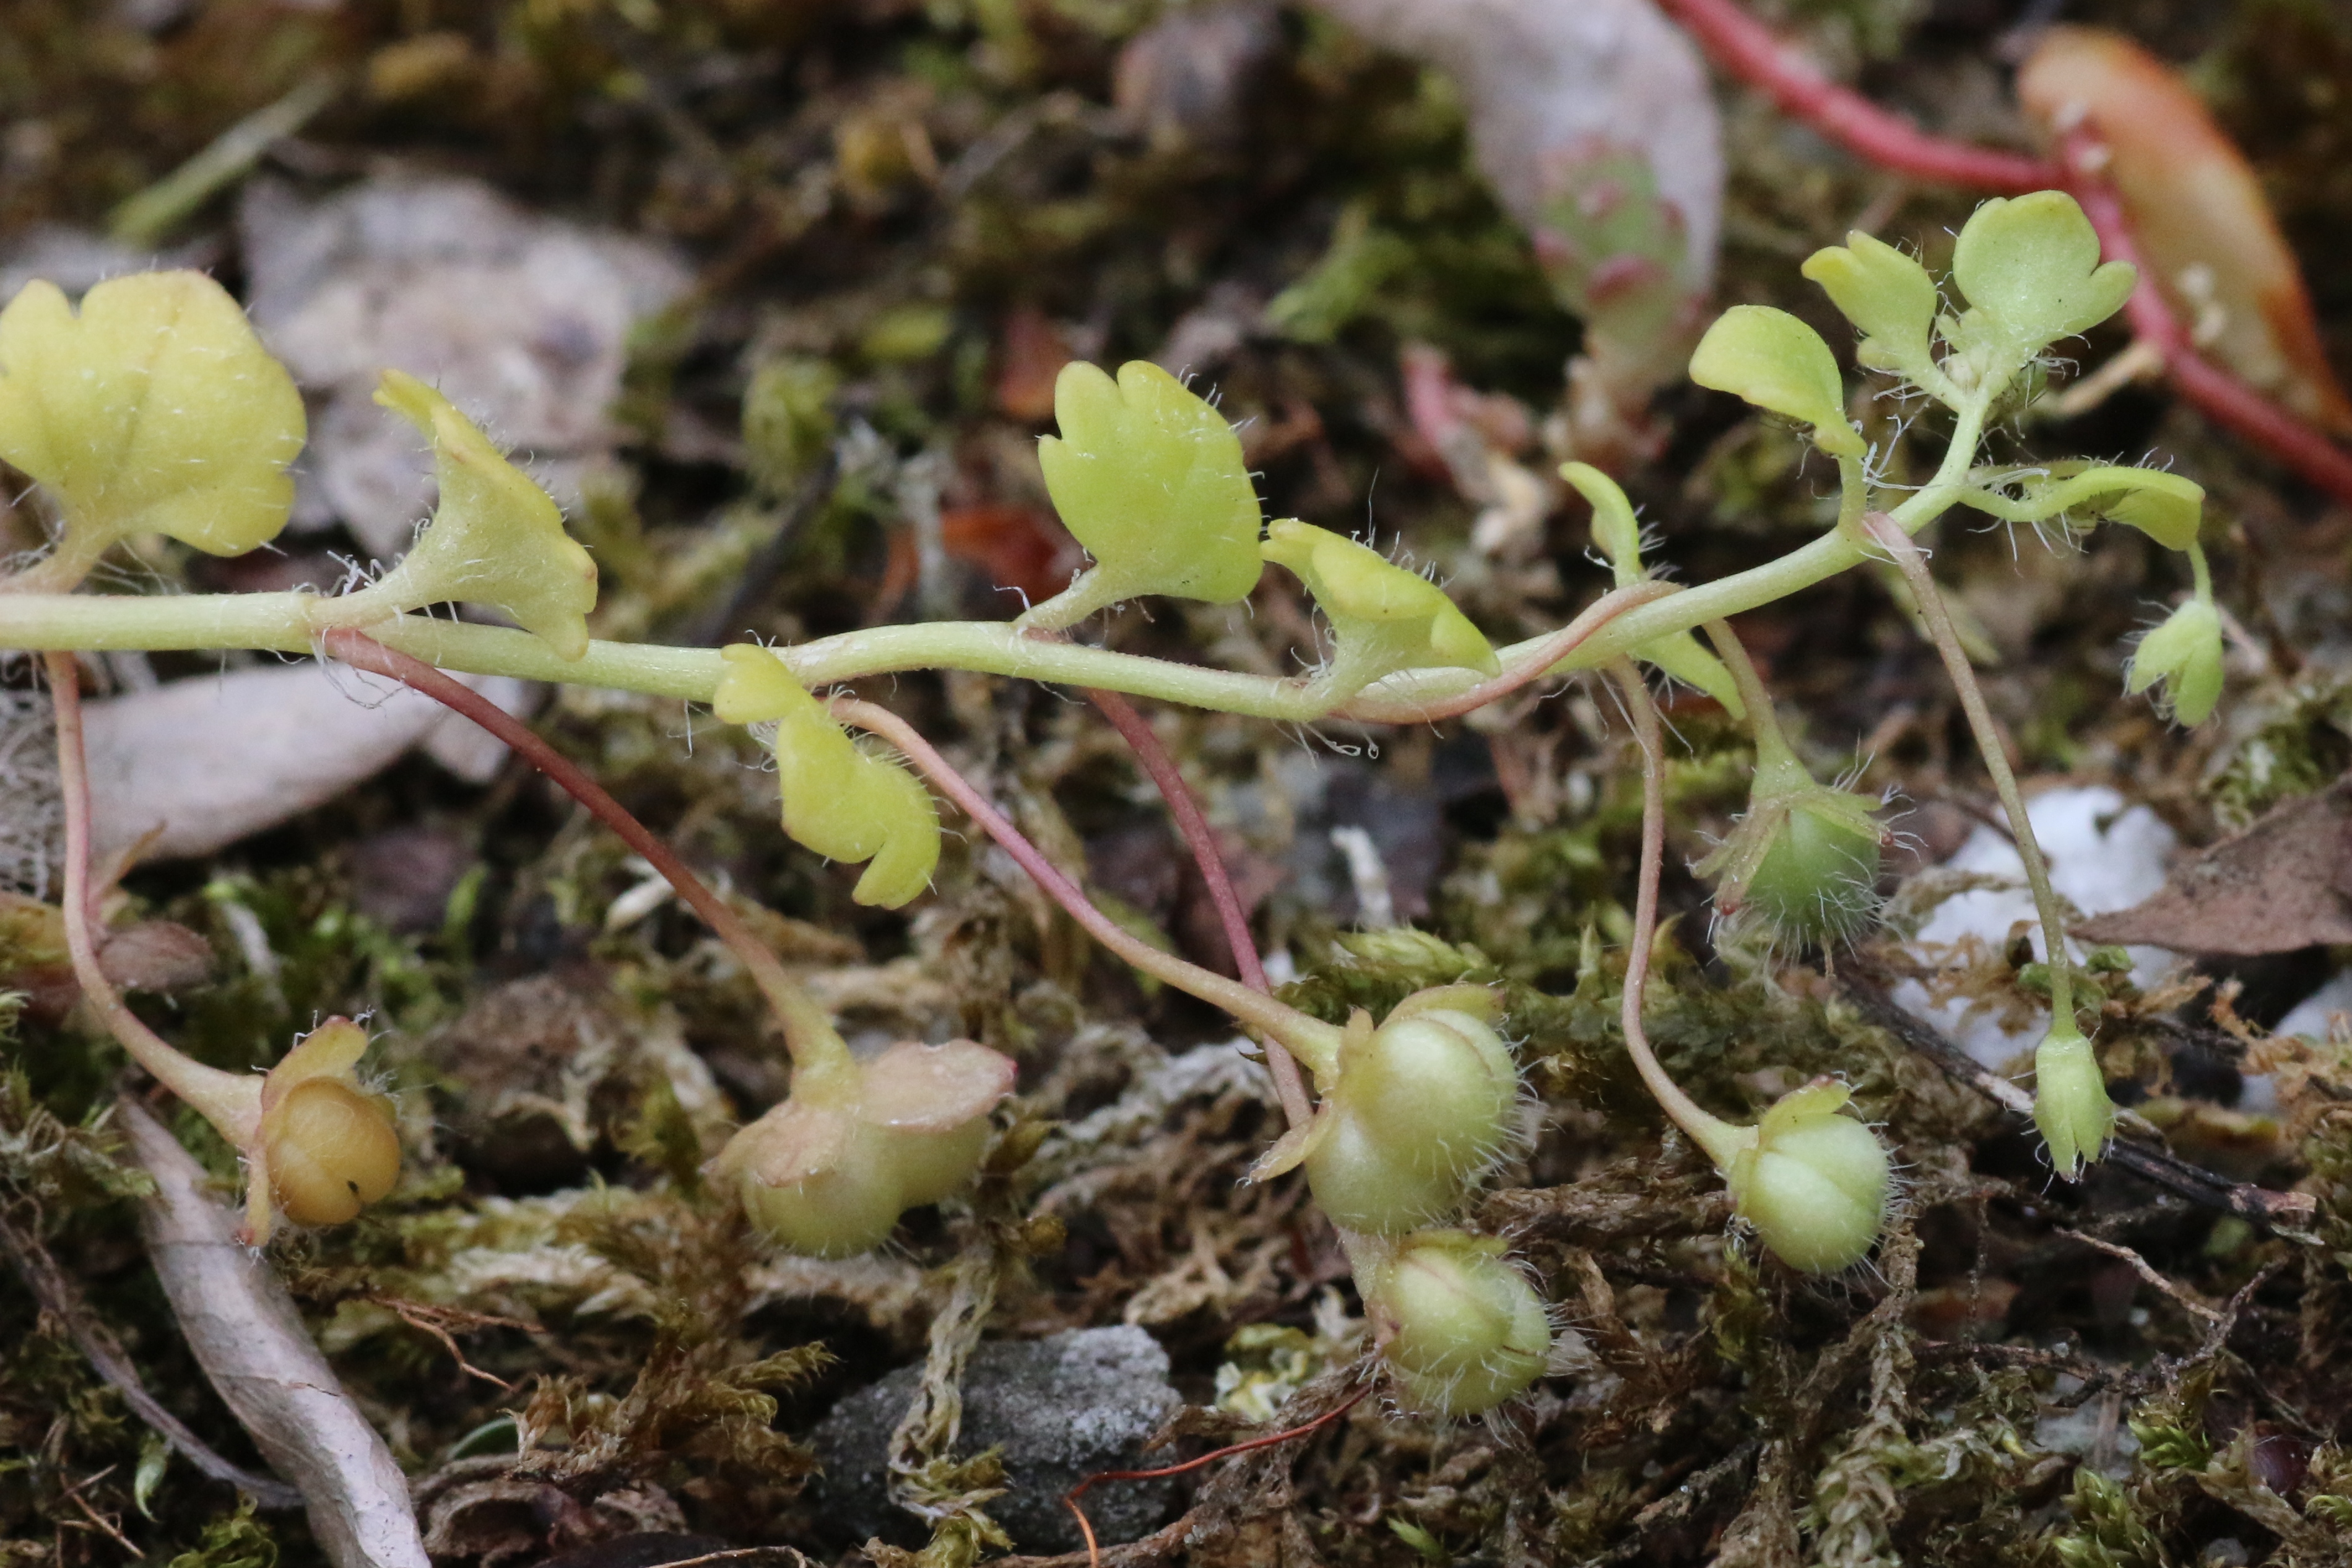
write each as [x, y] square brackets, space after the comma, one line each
[2284, 883]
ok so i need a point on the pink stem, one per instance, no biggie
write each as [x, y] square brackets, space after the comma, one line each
[1533, 665]
[230, 1101]
[1198, 838]
[1743, 47]
[1290, 1028]
[809, 1034]
[2221, 396]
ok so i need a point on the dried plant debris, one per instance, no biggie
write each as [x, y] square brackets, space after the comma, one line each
[2284, 883]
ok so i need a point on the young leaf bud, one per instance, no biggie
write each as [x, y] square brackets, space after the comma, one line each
[325, 1148]
[1619, 535]
[1151, 479]
[155, 407]
[1460, 1329]
[1383, 618]
[2070, 1100]
[827, 1173]
[1419, 1106]
[2183, 654]
[2165, 507]
[496, 538]
[2029, 267]
[1777, 362]
[840, 800]
[1888, 297]
[1814, 1182]
[1803, 860]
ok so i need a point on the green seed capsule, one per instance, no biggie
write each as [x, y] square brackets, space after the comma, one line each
[1818, 883]
[1464, 1331]
[1814, 1182]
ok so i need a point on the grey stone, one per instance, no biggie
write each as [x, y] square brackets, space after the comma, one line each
[1061, 1409]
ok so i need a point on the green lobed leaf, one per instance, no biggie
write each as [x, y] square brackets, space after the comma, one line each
[840, 800]
[1777, 362]
[2029, 267]
[1151, 479]
[154, 408]
[1383, 617]
[1888, 296]
[496, 538]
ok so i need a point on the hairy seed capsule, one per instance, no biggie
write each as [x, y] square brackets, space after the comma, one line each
[1465, 1329]
[1420, 1106]
[1818, 883]
[1813, 1184]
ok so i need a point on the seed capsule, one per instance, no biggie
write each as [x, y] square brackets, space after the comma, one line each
[330, 1150]
[1464, 1331]
[1813, 1183]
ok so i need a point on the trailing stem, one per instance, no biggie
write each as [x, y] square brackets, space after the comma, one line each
[1717, 1137]
[816, 1046]
[1937, 617]
[230, 1101]
[1201, 840]
[1314, 1043]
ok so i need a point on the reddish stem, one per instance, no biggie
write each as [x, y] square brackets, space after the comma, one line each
[1286, 1025]
[1085, 1527]
[1745, 49]
[2221, 396]
[809, 1034]
[1532, 665]
[1199, 837]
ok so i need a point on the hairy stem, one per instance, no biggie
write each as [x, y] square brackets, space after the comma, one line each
[1720, 1139]
[229, 1101]
[1314, 1043]
[1202, 842]
[1938, 619]
[816, 1046]
[290, 623]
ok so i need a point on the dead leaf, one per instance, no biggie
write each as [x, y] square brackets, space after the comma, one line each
[2284, 883]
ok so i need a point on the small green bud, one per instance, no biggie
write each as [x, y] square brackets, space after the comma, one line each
[2029, 267]
[1383, 618]
[2184, 654]
[827, 1173]
[496, 538]
[2165, 507]
[1886, 295]
[153, 409]
[1460, 1329]
[839, 800]
[2070, 1100]
[1777, 362]
[1418, 1108]
[1151, 479]
[1813, 1181]
[1803, 860]
[1616, 530]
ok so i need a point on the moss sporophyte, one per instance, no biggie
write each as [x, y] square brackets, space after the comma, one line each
[153, 409]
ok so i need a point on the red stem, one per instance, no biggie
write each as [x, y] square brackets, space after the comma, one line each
[2221, 396]
[1144, 741]
[1745, 49]
[1085, 1527]
[809, 1034]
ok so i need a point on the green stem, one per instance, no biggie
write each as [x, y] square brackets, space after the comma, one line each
[1938, 622]
[290, 623]
[1774, 752]
[1720, 1139]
